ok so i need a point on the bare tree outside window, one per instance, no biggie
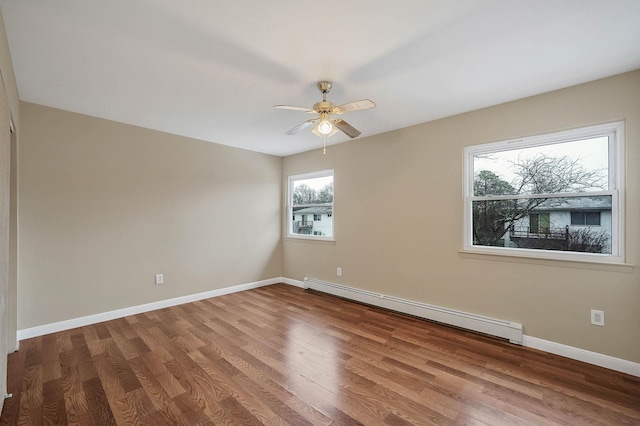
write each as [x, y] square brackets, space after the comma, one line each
[304, 194]
[541, 174]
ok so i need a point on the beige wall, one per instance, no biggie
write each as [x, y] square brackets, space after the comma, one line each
[105, 206]
[398, 222]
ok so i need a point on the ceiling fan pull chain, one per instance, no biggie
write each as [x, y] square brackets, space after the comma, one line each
[324, 144]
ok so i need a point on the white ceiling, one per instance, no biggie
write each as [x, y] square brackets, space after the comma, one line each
[213, 70]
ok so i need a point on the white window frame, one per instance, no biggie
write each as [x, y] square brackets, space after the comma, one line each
[290, 181]
[616, 190]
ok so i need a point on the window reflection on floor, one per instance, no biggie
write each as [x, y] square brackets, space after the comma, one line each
[317, 373]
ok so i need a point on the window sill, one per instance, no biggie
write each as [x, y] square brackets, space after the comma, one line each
[564, 263]
[310, 239]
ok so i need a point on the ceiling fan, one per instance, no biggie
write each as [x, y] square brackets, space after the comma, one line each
[324, 124]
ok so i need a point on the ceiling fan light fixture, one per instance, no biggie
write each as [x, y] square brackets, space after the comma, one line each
[325, 127]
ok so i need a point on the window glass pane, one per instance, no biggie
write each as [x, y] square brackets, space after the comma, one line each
[545, 224]
[577, 218]
[313, 191]
[592, 218]
[576, 166]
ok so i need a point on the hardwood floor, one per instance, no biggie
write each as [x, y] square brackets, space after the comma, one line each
[284, 356]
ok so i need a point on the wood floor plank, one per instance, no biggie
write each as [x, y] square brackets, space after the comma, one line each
[287, 401]
[204, 399]
[15, 368]
[125, 347]
[63, 341]
[53, 407]
[77, 409]
[121, 367]
[108, 378]
[151, 385]
[32, 375]
[31, 407]
[280, 355]
[168, 416]
[97, 402]
[70, 373]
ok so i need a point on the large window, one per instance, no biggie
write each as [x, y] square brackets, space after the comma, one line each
[555, 196]
[310, 205]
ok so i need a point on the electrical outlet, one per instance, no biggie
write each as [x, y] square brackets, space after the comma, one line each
[339, 271]
[597, 317]
[159, 279]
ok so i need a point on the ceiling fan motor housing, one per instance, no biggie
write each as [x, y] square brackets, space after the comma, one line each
[324, 86]
[326, 107]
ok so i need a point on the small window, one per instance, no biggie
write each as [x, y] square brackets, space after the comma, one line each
[539, 223]
[585, 218]
[311, 198]
[554, 196]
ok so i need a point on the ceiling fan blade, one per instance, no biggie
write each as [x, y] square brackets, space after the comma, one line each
[301, 126]
[357, 105]
[346, 128]
[294, 108]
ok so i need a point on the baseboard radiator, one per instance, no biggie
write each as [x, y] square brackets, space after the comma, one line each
[495, 327]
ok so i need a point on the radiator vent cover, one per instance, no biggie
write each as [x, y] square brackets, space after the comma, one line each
[495, 327]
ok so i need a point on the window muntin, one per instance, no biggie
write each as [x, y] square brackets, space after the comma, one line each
[553, 196]
[310, 205]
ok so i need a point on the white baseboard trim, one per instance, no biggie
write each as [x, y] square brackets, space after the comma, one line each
[41, 330]
[293, 282]
[606, 361]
